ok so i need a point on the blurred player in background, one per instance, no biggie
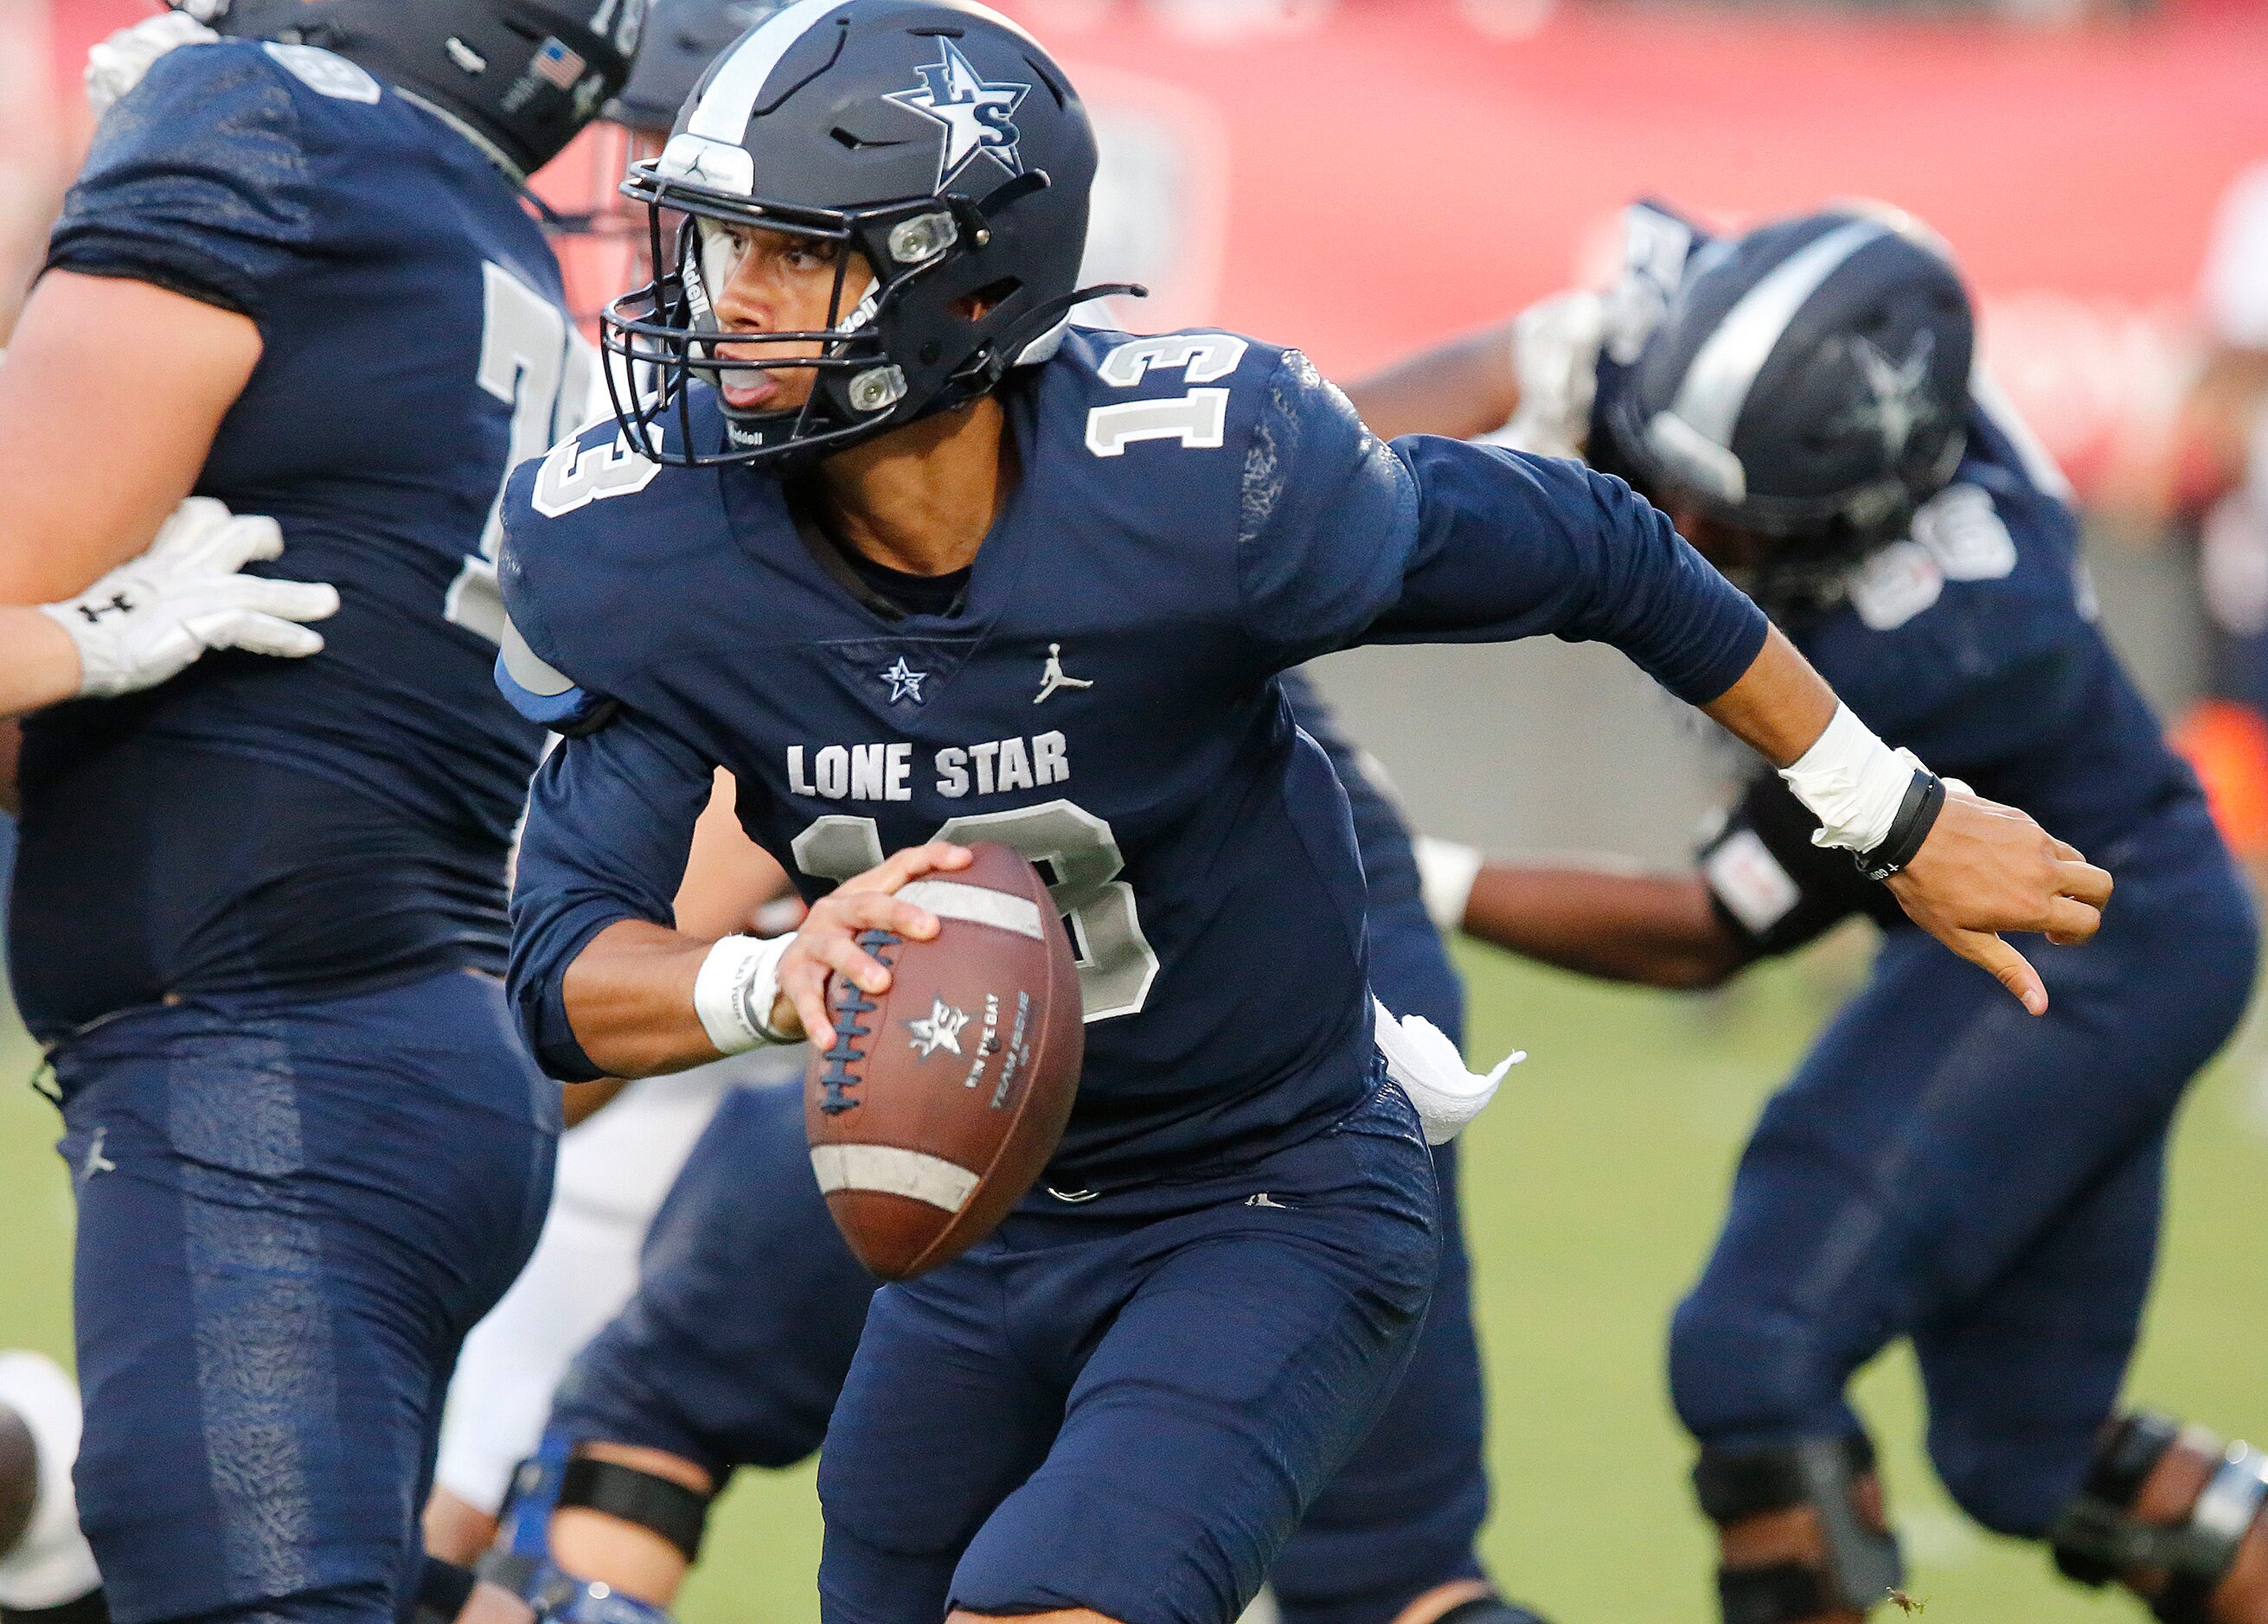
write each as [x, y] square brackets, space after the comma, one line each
[2225, 473]
[1800, 400]
[297, 274]
[1120, 1406]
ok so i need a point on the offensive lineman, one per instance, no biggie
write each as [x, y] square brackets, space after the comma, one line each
[295, 275]
[1800, 398]
[913, 505]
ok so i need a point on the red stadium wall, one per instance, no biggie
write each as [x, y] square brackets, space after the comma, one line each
[1364, 176]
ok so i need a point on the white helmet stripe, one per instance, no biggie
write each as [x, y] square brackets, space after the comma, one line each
[725, 108]
[1723, 371]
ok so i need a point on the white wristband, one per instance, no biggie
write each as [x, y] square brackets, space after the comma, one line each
[1853, 783]
[1445, 872]
[735, 993]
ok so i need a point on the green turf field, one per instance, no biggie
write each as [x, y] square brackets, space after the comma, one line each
[1593, 1185]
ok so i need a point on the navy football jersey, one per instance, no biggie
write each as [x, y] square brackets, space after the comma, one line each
[1971, 640]
[334, 823]
[1196, 513]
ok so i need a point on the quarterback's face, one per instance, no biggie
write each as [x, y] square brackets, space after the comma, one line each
[772, 282]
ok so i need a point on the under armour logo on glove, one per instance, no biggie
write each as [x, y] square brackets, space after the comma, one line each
[152, 615]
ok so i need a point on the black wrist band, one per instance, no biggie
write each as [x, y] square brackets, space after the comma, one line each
[1925, 798]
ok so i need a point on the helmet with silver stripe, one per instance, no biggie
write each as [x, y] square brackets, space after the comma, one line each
[1809, 382]
[931, 142]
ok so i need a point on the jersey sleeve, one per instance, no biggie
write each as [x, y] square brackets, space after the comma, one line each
[1344, 539]
[528, 660]
[197, 181]
[1770, 886]
[609, 824]
[1507, 545]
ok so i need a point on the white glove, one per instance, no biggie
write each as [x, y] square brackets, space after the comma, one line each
[152, 615]
[116, 65]
[1421, 1058]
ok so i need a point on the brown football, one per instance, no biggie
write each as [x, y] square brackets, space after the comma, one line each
[941, 1101]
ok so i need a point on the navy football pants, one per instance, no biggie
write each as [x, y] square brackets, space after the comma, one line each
[287, 1223]
[749, 1307]
[1128, 1405]
[1946, 1168]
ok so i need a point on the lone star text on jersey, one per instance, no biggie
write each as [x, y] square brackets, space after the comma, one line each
[885, 772]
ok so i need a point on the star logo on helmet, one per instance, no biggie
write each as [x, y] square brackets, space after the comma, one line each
[1897, 401]
[977, 115]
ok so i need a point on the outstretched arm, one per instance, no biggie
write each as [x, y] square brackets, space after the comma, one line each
[1619, 924]
[1462, 389]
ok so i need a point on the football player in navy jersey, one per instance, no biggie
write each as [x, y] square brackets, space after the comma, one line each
[1800, 398]
[920, 565]
[704, 1372]
[296, 275]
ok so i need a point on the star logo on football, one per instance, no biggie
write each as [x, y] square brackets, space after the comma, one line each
[940, 1029]
[976, 114]
[905, 682]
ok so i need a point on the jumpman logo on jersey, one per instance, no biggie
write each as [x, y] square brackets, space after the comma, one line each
[1053, 678]
[96, 1162]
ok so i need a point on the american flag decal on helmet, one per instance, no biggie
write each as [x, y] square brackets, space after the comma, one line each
[558, 65]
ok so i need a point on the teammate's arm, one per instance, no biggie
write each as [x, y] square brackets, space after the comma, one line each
[1620, 924]
[110, 395]
[1463, 389]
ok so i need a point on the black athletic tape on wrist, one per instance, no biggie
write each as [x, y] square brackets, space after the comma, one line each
[657, 1504]
[1925, 798]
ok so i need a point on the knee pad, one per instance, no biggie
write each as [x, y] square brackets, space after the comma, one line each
[1863, 1565]
[2097, 1538]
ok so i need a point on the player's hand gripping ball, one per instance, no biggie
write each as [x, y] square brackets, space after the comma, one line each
[942, 1098]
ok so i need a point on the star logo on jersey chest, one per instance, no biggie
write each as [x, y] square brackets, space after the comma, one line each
[975, 114]
[940, 1029]
[905, 682]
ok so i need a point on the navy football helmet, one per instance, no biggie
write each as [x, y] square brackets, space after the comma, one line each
[682, 37]
[1808, 384]
[933, 140]
[521, 76]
